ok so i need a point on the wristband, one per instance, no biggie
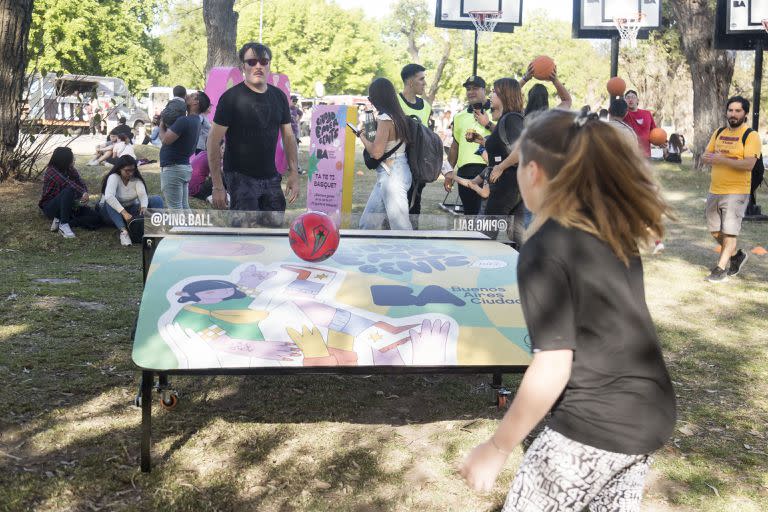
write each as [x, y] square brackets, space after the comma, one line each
[503, 452]
[218, 188]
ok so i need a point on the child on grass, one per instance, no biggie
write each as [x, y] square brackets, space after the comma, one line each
[597, 364]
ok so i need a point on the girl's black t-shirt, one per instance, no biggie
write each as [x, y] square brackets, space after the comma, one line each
[512, 124]
[577, 295]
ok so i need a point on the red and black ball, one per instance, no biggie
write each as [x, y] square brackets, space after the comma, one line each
[313, 236]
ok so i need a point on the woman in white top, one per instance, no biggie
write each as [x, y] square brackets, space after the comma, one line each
[122, 147]
[124, 196]
[389, 197]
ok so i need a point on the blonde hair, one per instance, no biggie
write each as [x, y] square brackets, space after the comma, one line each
[598, 180]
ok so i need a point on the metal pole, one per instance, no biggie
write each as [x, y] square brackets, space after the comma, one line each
[758, 84]
[474, 61]
[147, 379]
[261, 19]
[614, 56]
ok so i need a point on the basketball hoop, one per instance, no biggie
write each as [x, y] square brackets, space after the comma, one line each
[629, 27]
[485, 22]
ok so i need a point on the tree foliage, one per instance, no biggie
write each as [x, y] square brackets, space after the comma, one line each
[184, 45]
[316, 40]
[98, 37]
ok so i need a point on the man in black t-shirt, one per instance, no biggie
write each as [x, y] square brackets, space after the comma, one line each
[250, 115]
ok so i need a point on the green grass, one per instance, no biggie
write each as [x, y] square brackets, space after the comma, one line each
[69, 434]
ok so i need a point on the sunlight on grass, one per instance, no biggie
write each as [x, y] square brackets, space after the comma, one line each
[8, 331]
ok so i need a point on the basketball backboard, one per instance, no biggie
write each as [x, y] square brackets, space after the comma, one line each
[746, 16]
[739, 23]
[455, 13]
[593, 19]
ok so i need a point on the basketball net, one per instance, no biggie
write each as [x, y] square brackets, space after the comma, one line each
[629, 27]
[485, 23]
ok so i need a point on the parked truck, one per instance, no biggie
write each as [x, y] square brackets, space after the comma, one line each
[73, 101]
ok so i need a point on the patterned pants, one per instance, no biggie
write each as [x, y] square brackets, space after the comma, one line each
[559, 474]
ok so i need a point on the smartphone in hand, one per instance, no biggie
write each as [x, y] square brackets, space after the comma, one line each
[354, 129]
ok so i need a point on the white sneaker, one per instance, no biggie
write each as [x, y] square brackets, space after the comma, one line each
[66, 231]
[55, 225]
[658, 248]
[93, 162]
[125, 239]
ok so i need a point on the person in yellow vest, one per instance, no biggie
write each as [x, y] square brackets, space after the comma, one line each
[413, 103]
[463, 155]
[732, 151]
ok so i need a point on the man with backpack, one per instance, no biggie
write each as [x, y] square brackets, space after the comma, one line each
[733, 151]
[414, 105]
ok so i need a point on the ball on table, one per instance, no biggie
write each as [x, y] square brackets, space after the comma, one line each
[543, 67]
[616, 86]
[313, 236]
[658, 137]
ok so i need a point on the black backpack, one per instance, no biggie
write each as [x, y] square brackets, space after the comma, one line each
[136, 230]
[758, 171]
[425, 152]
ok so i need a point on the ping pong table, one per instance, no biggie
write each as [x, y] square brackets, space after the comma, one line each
[237, 301]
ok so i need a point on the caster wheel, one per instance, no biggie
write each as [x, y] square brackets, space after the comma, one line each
[169, 401]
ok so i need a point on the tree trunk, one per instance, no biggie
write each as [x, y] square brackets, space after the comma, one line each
[711, 70]
[221, 33]
[439, 73]
[15, 20]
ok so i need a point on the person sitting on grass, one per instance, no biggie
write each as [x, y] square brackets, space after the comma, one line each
[124, 196]
[122, 147]
[675, 148]
[105, 148]
[63, 191]
[597, 363]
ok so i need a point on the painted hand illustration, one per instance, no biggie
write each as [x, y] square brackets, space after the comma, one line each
[309, 341]
[253, 276]
[276, 350]
[429, 345]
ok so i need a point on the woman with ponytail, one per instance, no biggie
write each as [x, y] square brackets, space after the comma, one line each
[597, 364]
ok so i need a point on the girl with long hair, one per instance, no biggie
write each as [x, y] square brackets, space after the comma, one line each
[504, 196]
[675, 148]
[389, 197]
[63, 191]
[597, 363]
[124, 196]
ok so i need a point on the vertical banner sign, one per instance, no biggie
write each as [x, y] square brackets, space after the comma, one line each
[222, 78]
[331, 161]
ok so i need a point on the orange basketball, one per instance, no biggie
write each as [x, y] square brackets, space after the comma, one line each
[616, 86]
[658, 137]
[543, 67]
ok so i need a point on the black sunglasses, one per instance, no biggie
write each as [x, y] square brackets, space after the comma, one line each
[252, 62]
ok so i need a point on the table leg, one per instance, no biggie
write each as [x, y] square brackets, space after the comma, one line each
[147, 379]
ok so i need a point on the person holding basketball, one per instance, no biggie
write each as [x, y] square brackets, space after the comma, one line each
[641, 121]
[597, 364]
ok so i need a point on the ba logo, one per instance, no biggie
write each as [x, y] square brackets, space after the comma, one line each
[739, 3]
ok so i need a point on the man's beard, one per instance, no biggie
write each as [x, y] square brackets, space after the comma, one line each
[735, 123]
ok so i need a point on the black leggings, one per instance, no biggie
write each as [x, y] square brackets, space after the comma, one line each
[469, 197]
[505, 201]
